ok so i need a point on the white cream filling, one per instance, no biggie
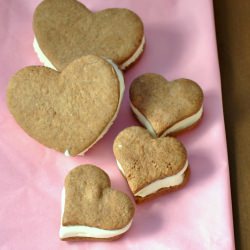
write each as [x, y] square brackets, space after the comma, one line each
[120, 168]
[42, 57]
[135, 56]
[143, 120]
[85, 231]
[122, 89]
[187, 122]
[169, 181]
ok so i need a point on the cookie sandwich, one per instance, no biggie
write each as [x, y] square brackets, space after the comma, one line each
[151, 166]
[68, 111]
[166, 107]
[91, 209]
[66, 30]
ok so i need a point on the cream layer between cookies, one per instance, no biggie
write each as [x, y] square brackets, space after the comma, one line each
[46, 62]
[43, 59]
[169, 181]
[85, 231]
[135, 56]
[181, 125]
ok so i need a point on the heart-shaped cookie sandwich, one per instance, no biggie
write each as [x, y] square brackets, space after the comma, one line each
[163, 107]
[91, 208]
[66, 30]
[150, 165]
[68, 111]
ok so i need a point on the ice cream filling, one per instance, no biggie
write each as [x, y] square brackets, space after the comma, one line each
[42, 57]
[181, 125]
[46, 62]
[85, 231]
[166, 182]
[135, 56]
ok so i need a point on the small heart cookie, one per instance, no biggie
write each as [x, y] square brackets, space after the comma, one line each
[66, 30]
[68, 111]
[150, 165]
[163, 107]
[91, 209]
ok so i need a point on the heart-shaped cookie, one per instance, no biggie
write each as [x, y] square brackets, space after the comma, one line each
[66, 30]
[150, 165]
[165, 107]
[91, 208]
[67, 111]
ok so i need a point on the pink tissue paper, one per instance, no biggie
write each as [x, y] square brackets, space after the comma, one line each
[180, 42]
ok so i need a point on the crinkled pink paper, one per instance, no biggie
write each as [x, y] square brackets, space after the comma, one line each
[181, 42]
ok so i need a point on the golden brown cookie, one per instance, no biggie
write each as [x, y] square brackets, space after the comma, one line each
[91, 209]
[68, 111]
[66, 30]
[166, 107]
[150, 165]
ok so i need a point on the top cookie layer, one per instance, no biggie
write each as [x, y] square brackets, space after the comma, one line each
[91, 202]
[165, 103]
[66, 30]
[68, 110]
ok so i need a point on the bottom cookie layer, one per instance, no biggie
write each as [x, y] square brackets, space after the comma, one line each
[139, 199]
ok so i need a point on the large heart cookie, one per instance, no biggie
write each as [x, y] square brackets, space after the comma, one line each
[165, 107]
[151, 166]
[66, 30]
[91, 209]
[67, 111]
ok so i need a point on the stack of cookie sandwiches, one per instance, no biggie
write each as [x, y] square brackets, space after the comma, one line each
[72, 101]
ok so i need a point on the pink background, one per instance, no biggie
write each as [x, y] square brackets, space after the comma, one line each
[180, 43]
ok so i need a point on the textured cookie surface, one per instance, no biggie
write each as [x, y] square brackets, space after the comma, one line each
[145, 159]
[66, 30]
[91, 202]
[68, 110]
[165, 103]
